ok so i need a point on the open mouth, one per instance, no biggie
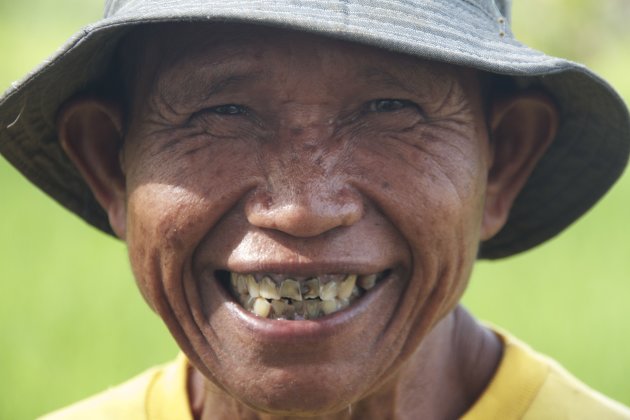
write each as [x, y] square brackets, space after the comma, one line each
[280, 296]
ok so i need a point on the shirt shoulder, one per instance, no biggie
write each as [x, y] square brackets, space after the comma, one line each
[149, 396]
[562, 396]
[530, 386]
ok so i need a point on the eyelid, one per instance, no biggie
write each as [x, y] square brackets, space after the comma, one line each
[250, 115]
[406, 103]
[240, 108]
[212, 110]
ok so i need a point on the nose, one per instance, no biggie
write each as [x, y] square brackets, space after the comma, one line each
[305, 210]
[307, 190]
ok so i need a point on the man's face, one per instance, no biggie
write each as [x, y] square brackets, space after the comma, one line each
[268, 153]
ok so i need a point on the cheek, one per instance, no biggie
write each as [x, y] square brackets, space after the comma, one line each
[169, 212]
[177, 189]
[159, 219]
[433, 193]
[442, 221]
[161, 215]
[430, 186]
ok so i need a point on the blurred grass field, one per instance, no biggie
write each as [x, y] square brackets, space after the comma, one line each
[72, 322]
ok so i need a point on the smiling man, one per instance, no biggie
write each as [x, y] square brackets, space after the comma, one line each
[304, 190]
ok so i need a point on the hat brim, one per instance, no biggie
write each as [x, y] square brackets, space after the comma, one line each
[586, 157]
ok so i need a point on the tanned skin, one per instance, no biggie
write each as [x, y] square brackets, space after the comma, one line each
[254, 150]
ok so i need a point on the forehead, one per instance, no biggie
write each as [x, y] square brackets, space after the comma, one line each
[194, 40]
[194, 49]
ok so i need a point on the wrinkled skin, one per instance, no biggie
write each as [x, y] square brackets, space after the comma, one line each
[254, 150]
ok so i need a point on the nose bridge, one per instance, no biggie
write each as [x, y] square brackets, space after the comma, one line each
[306, 192]
[307, 124]
[303, 157]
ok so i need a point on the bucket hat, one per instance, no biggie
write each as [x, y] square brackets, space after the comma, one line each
[586, 157]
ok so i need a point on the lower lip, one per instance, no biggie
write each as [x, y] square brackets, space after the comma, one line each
[284, 330]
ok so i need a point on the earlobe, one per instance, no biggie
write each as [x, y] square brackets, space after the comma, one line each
[90, 132]
[521, 128]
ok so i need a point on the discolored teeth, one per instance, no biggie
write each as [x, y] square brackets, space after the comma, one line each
[279, 307]
[329, 306]
[367, 282]
[291, 289]
[283, 297]
[328, 291]
[268, 289]
[345, 287]
[253, 288]
[262, 307]
[312, 308]
[239, 282]
[310, 289]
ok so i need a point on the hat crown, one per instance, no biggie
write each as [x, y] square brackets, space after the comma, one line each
[112, 7]
[505, 8]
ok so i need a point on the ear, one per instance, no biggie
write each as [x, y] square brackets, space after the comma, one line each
[521, 128]
[90, 132]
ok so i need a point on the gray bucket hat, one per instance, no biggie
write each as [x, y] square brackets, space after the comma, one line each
[586, 157]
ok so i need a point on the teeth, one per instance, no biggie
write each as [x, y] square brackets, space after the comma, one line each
[253, 288]
[345, 287]
[343, 303]
[312, 308]
[289, 312]
[290, 289]
[299, 299]
[262, 307]
[248, 303]
[299, 307]
[328, 291]
[268, 289]
[279, 307]
[329, 306]
[241, 284]
[367, 282]
[238, 283]
[310, 289]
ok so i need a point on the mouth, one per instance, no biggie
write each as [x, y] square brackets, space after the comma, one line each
[286, 297]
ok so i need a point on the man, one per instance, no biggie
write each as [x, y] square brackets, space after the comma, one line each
[303, 211]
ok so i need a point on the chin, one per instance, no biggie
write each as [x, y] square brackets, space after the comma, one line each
[288, 394]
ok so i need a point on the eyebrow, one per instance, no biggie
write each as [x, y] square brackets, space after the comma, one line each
[200, 86]
[213, 75]
[220, 83]
[381, 76]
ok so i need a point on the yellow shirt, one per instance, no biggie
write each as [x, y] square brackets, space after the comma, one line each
[526, 386]
[530, 386]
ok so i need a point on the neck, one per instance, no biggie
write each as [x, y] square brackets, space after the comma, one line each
[441, 380]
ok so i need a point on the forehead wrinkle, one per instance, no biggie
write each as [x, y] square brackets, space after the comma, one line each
[211, 64]
[198, 80]
[461, 94]
[199, 88]
[414, 74]
[185, 39]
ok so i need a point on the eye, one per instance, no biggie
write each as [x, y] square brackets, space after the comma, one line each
[389, 105]
[229, 109]
[222, 117]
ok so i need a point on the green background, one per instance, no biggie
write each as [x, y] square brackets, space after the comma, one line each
[72, 323]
